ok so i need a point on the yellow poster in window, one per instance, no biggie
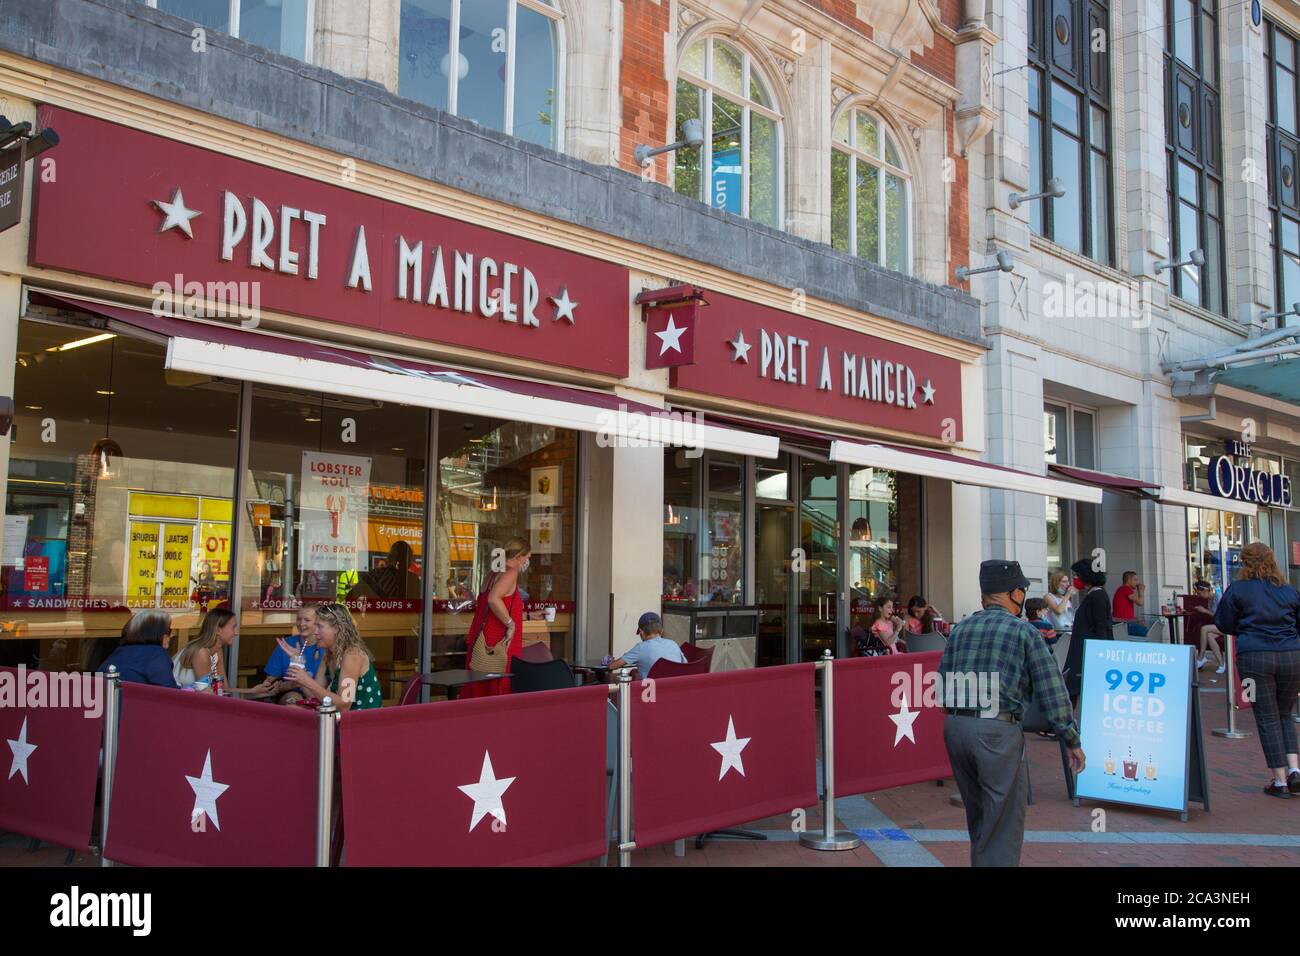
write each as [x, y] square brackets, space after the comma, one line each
[143, 564]
[212, 551]
[178, 539]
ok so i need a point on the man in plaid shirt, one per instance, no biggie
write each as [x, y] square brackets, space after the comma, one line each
[997, 648]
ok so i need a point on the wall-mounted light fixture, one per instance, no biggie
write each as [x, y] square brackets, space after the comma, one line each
[1004, 263]
[1294, 310]
[1055, 190]
[1194, 258]
[692, 135]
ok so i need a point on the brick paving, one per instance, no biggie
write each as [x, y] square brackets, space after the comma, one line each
[923, 825]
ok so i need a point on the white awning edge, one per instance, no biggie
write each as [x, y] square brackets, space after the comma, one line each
[895, 459]
[633, 428]
[1198, 499]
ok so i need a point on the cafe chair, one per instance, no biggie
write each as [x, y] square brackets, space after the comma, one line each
[537, 653]
[411, 692]
[694, 653]
[1158, 632]
[1119, 632]
[927, 641]
[529, 677]
[666, 668]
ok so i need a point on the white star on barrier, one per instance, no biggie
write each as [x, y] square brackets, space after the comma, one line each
[487, 793]
[730, 750]
[671, 337]
[22, 750]
[206, 791]
[176, 214]
[903, 721]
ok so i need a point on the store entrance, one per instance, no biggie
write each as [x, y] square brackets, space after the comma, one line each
[796, 574]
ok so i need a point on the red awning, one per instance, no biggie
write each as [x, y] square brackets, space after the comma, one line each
[1119, 484]
[227, 351]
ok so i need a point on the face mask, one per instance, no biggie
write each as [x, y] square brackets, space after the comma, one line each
[1063, 590]
[1078, 584]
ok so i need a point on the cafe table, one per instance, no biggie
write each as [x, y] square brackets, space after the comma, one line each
[453, 680]
[1173, 616]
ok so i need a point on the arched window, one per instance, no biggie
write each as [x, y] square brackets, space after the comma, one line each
[739, 166]
[509, 63]
[871, 205]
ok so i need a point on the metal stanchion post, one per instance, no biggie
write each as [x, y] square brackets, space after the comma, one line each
[112, 706]
[1231, 732]
[829, 838]
[625, 844]
[327, 716]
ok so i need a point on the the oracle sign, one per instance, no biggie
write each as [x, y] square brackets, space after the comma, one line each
[1243, 483]
[138, 208]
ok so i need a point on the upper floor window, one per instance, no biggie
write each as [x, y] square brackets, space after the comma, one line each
[508, 57]
[739, 167]
[1069, 123]
[1283, 159]
[870, 192]
[1194, 147]
[280, 25]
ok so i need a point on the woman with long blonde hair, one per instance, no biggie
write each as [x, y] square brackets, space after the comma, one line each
[1263, 611]
[196, 660]
[347, 670]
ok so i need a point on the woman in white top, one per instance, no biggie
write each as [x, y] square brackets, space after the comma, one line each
[1060, 592]
[197, 659]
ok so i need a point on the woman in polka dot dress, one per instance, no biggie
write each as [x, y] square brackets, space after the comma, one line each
[346, 663]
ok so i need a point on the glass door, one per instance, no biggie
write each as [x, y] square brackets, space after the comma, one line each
[819, 541]
[774, 582]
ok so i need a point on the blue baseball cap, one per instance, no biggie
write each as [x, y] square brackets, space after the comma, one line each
[649, 620]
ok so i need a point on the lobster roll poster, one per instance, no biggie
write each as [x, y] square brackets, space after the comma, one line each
[334, 503]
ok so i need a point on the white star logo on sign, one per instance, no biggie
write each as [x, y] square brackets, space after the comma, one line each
[741, 347]
[486, 794]
[564, 307]
[903, 721]
[928, 390]
[671, 337]
[176, 214]
[22, 750]
[206, 791]
[730, 750]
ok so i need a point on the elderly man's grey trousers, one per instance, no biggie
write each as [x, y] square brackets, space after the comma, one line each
[987, 760]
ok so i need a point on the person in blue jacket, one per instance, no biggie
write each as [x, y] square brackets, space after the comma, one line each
[141, 656]
[1263, 611]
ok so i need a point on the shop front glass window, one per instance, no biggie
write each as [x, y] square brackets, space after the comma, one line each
[723, 559]
[335, 513]
[884, 529]
[682, 527]
[498, 481]
[121, 477]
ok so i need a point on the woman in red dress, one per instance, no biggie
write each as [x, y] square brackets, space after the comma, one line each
[499, 611]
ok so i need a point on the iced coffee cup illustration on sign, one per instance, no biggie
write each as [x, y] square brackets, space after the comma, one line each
[1130, 766]
[1110, 764]
[1150, 769]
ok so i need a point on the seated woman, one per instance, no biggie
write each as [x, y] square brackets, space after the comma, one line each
[884, 632]
[204, 656]
[346, 663]
[141, 655]
[920, 615]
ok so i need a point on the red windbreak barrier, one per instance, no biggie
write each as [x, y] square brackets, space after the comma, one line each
[716, 750]
[210, 781]
[888, 723]
[515, 780]
[50, 729]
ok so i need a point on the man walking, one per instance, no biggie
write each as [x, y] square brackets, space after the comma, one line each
[996, 648]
